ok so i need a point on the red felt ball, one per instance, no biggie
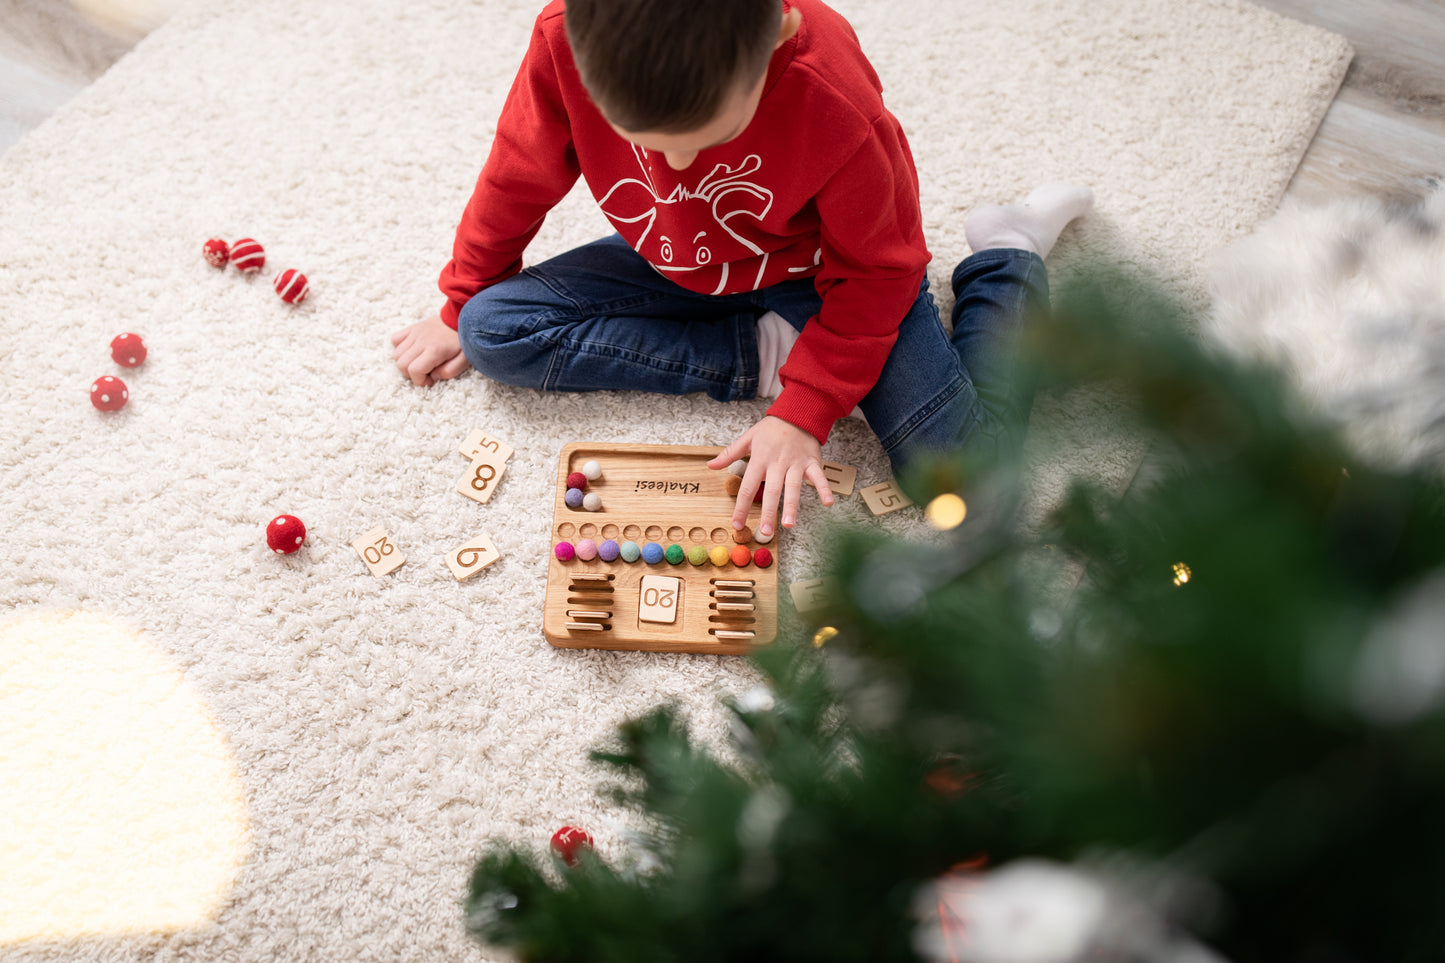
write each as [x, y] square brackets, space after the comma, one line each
[762, 558]
[285, 534]
[128, 350]
[291, 285]
[567, 841]
[109, 394]
[248, 256]
[216, 252]
[576, 480]
[741, 556]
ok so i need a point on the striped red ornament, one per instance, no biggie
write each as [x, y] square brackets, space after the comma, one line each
[292, 286]
[248, 256]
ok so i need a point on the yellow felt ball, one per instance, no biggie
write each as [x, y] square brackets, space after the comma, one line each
[720, 555]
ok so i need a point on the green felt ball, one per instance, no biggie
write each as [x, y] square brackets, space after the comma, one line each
[674, 554]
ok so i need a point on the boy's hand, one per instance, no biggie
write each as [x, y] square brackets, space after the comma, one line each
[429, 351]
[780, 456]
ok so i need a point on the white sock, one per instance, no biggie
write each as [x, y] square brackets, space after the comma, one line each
[775, 340]
[1033, 225]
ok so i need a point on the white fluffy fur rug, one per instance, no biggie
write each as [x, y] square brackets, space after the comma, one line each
[384, 729]
[1350, 298]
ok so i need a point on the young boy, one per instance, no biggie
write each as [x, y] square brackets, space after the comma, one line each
[769, 241]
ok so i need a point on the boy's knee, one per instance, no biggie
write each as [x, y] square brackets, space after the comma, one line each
[492, 337]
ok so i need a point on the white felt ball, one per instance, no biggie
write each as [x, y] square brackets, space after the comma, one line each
[592, 502]
[592, 470]
[760, 537]
[738, 467]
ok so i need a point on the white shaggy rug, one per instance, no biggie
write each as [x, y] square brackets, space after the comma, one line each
[382, 730]
[1349, 298]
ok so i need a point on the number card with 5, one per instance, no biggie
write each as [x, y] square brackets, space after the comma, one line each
[378, 551]
[482, 476]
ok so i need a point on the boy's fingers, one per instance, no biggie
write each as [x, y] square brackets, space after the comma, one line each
[815, 475]
[452, 368]
[792, 493]
[768, 522]
[730, 454]
[400, 336]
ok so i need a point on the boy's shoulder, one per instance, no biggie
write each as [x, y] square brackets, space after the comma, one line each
[829, 61]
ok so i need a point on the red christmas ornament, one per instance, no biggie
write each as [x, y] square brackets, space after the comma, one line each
[285, 534]
[762, 558]
[109, 394]
[248, 256]
[128, 350]
[291, 285]
[216, 252]
[567, 841]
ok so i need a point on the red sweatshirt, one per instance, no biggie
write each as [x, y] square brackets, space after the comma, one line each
[820, 184]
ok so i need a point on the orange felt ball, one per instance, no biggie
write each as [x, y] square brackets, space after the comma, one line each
[285, 534]
[741, 556]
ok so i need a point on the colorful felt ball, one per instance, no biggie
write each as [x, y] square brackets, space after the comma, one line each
[741, 556]
[128, 350]
[762, 558]
[762, 536]
[586, 549]
[577, 480]
[216, 252]
[720, 555]
[674, 554]
[629, 551]
[732, 484]
[609, 550]
[573, 498]
[738, 468]
[592, 502]
[742, 535]
[592, 470]
[291, 284]
[248, 256]
[285, 534]
[565, 551]
[652, 553]
[568, 841]
[109, 394]
[697, 555]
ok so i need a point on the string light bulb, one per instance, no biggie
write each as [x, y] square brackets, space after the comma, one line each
[947, 511]
[823, 636]
[1182, 573]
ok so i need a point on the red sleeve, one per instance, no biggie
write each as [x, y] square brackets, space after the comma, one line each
[532, 165]
[873, 264]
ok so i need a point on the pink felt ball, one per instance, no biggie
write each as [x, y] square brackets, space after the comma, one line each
[216, 252]
[285, 534]
[109, 394]
[577, 480]
[248, 256]
[568, 841]
[128, 350]
[291, 285]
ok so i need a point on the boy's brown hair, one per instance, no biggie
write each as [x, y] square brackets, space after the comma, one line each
[668, 66]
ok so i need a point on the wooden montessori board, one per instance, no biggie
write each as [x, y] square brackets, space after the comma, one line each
[664, 494]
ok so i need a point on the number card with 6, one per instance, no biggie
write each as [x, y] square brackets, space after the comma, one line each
[482, 476]
[378, 551]
[472, 557]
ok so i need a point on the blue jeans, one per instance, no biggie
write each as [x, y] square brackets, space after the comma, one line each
[600, 317]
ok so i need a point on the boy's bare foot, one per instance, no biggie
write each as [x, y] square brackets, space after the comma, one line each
[1033, 225]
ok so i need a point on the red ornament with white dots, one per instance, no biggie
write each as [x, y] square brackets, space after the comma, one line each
[248, 256]
[128, 350]
[292, 286]
[216, 252]
[285, 534]
[568, 841]
[109, 393]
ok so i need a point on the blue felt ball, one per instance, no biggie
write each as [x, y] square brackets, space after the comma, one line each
[573, 498]
[652, 553]
[629, 551]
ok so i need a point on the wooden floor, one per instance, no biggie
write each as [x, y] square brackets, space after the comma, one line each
[1385, 132]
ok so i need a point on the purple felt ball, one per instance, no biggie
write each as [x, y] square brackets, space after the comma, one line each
[573, 498]
[609, 550]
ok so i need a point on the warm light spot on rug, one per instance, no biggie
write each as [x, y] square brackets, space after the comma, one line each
[122, 810]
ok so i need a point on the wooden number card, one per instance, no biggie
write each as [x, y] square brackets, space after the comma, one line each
[481, 477]
[812, 594]
[479, 444]
[840, 478]
[472, 557]
[884, 497]
[378, 551]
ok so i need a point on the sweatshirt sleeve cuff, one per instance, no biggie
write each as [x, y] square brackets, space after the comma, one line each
[809, 409]
[451, 312]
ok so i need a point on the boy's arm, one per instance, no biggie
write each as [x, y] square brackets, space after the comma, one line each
[532, 165]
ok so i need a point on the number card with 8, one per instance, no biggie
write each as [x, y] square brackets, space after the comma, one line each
[378, 551]
[482, 476]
